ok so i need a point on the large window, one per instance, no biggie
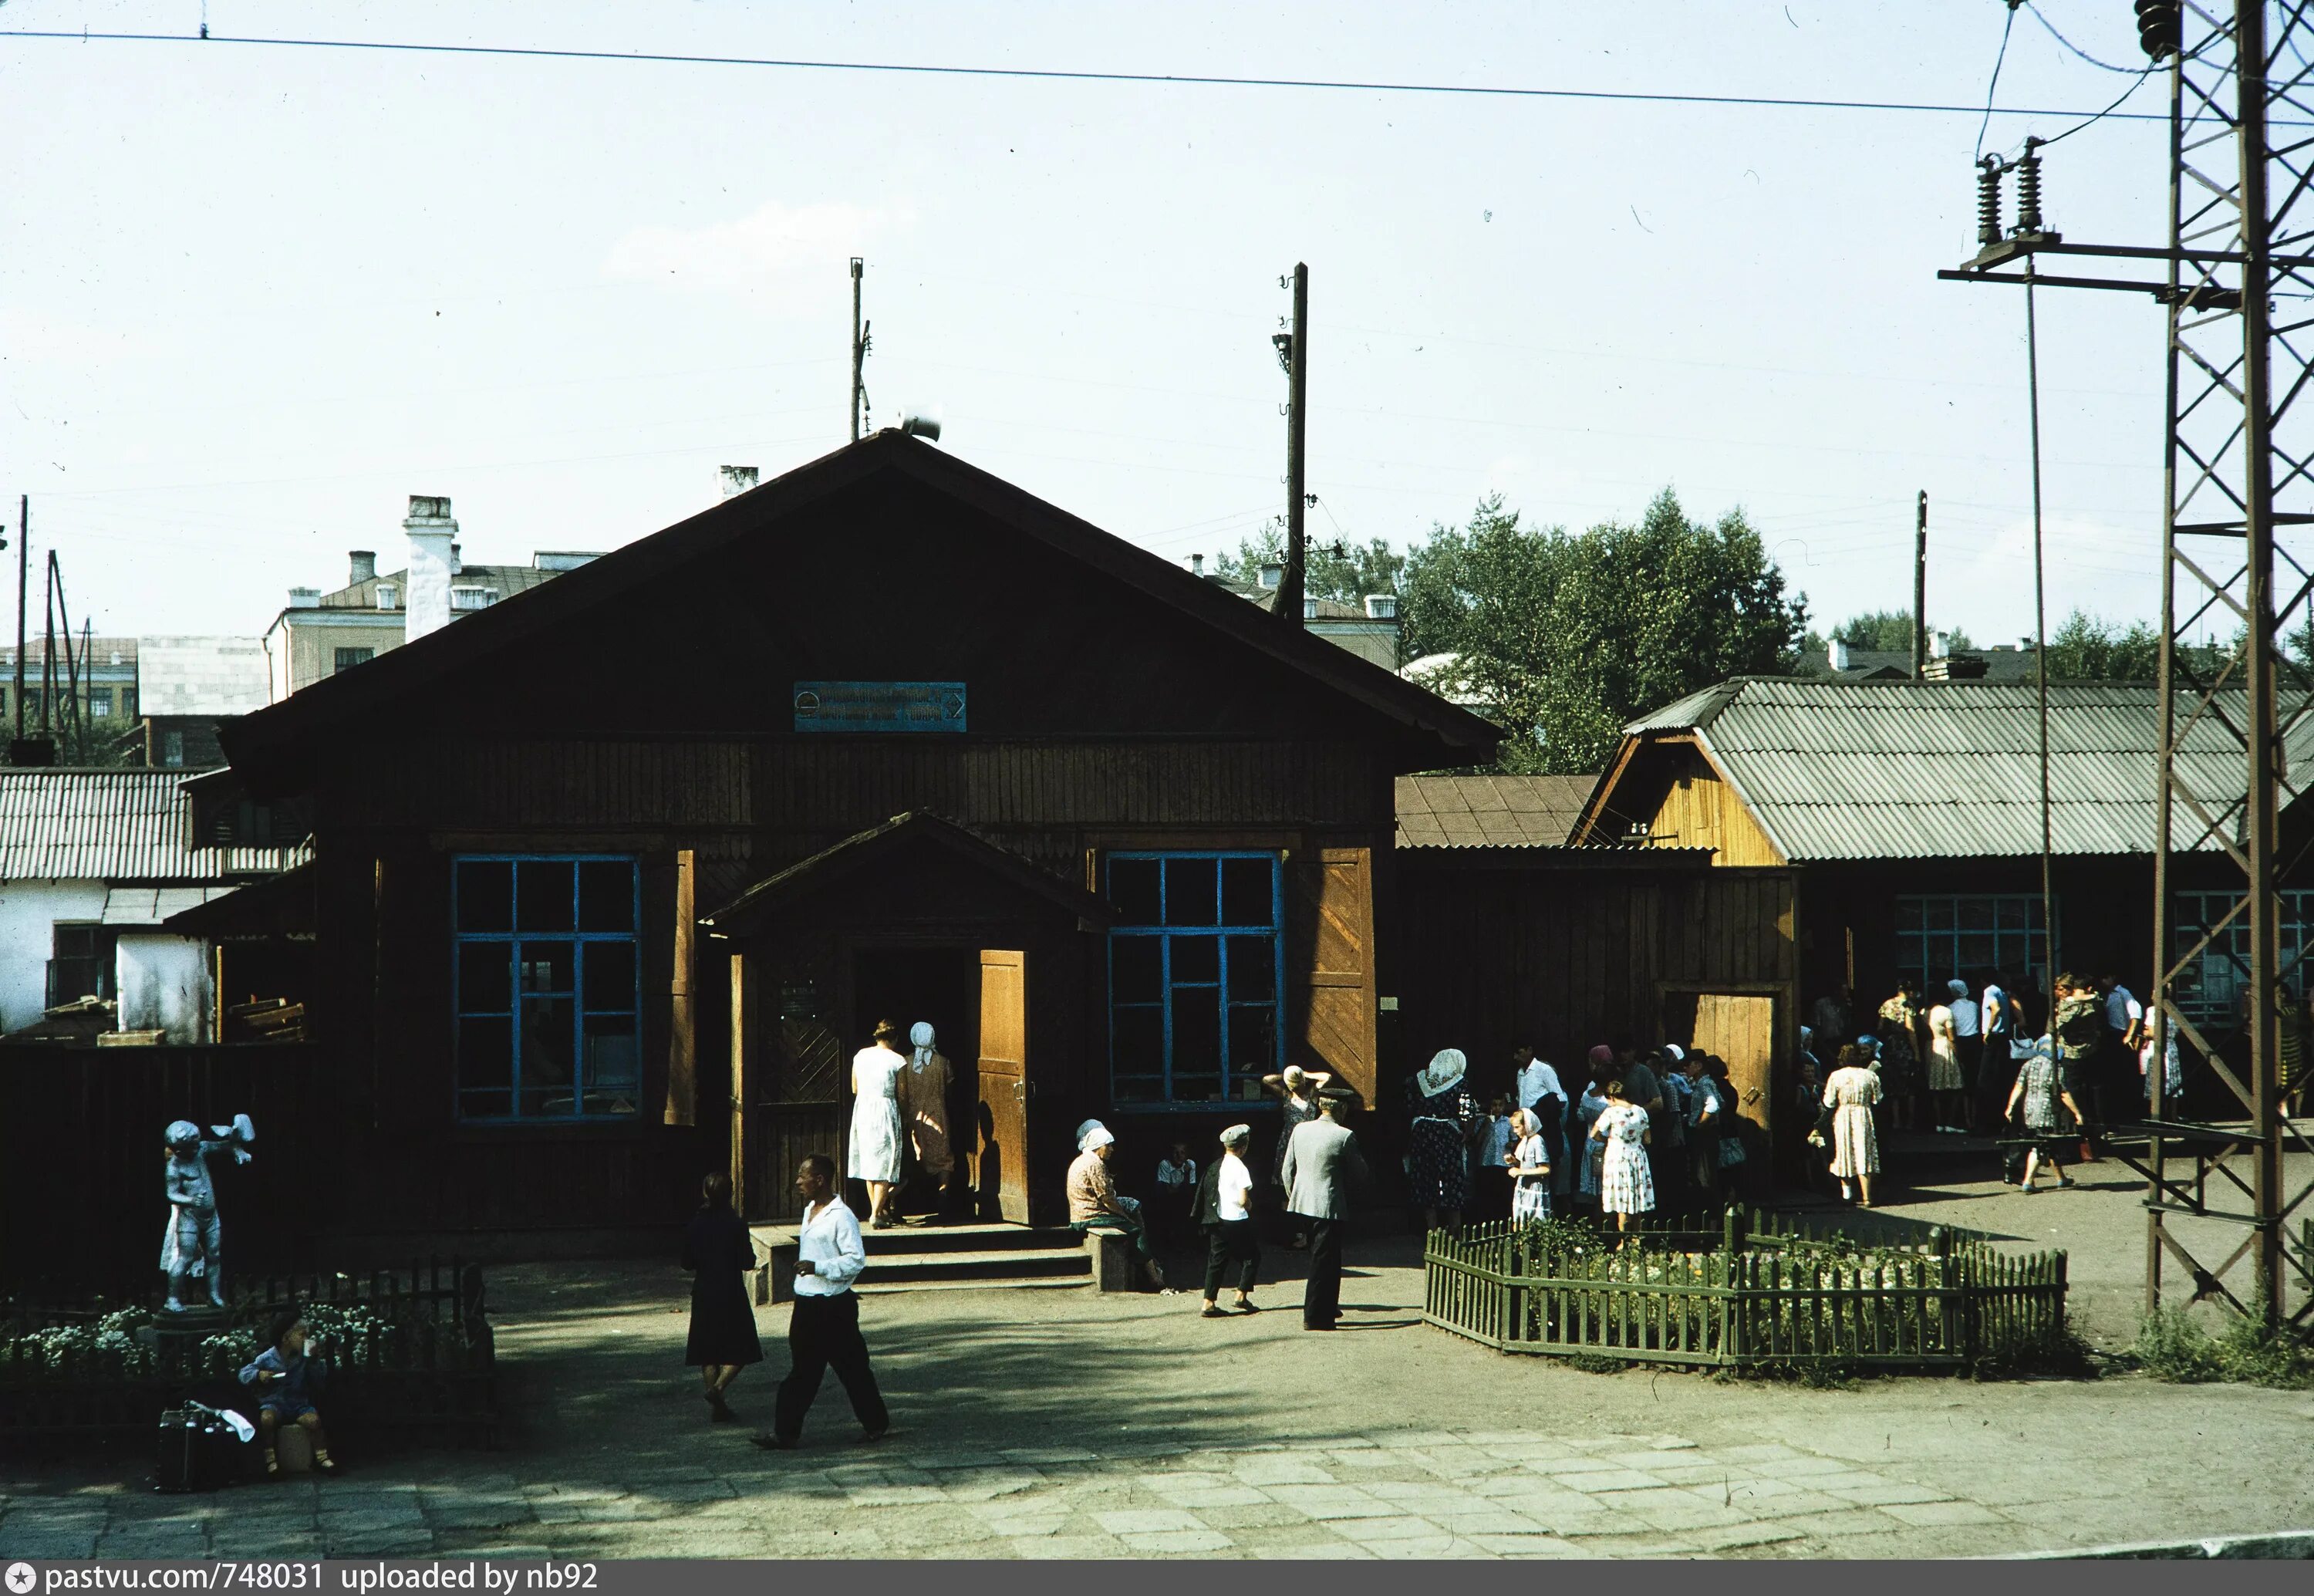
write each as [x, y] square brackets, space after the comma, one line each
[547, 987]
[349, 657]
[1942, 935]
[1195, 968]
[2211, 993]
[82, 962]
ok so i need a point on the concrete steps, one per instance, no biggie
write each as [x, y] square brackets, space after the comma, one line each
[936, 1258]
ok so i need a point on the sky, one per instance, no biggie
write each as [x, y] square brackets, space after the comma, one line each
[253, 296]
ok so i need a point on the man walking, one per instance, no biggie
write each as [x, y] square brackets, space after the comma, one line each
[1323, 1170]
[823, 1328]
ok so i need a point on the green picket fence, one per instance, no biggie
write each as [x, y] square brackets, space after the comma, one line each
[1736, 1296]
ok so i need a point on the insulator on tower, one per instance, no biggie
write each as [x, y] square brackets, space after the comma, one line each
[1988, 200]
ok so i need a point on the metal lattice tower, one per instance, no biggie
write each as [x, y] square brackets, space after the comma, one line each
[2238, 545]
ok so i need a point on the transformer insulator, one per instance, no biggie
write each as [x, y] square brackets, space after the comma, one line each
[2028, 192]
[1988, 201]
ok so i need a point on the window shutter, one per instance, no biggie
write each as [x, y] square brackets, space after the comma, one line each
[683, 1037]
[1329, 931]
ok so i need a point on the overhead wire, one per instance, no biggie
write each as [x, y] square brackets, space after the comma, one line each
[2041, 18]
[2006, 25]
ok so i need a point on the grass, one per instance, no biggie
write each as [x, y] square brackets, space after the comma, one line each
[2172, 1347]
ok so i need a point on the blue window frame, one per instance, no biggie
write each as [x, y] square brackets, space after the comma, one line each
[546, 986]
[1197, 976]
[2212, 990]
[1943, 934]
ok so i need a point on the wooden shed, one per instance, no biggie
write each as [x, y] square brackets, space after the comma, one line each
[610, 878]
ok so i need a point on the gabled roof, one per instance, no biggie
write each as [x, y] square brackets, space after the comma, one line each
[1492, 811]
[1455, 735]
[1927, 769]
[917, 828]
[113, 826]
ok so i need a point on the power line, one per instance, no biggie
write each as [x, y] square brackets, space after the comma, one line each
[2007, 23]
[2077, 49]
[1052, 75]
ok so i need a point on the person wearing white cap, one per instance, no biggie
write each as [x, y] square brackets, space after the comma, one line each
[1095, 1203]
[1226, 1213]
[923, 1101]
[193, 1242]
[1445, 1118]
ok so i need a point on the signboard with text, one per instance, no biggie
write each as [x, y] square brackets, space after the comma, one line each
[880, 707]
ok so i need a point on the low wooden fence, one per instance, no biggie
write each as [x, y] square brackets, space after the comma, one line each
[410, 1355]
[1731, 1296]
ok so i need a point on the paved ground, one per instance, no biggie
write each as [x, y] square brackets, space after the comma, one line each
[1064, 1424]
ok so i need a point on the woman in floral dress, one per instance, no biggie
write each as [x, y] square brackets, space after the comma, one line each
[1625, 1185]
[1445, 1116]
[1851, 1093]
[1900, 1033]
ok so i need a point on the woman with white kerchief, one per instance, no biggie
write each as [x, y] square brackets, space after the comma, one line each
[923, 1102]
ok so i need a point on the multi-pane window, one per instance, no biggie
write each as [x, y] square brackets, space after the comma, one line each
[1943, 934]
[2211, 989]
[1195, 973]
[547, 994]
[82, 964]
[349, 657]
[100, 703]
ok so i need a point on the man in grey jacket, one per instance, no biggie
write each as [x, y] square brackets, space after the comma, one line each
[1322, 1172]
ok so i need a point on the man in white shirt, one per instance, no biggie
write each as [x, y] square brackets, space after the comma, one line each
[824, 1327]
[2125, 1031]
[1225, 1211]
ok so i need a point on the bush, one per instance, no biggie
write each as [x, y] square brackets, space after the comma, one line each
[2171, 1346]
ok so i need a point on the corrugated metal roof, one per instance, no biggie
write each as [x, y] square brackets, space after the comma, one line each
[1489, 811]
[113, 826]
[1922, 770]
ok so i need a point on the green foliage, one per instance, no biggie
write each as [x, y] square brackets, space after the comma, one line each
[2091, 648]
[2171, 1346]
[1889, 631]
[1337, 570]
[1574, 635]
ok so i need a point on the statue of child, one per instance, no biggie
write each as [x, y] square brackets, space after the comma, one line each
[193, 1244]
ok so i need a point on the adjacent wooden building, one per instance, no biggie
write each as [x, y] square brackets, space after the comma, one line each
[610, 879]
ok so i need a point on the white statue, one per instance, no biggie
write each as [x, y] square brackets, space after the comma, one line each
[194, 1242]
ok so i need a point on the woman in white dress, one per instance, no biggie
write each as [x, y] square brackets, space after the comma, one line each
[873, 1154]
[1530, 1167]
[1851, 1093]
[1626, 1184]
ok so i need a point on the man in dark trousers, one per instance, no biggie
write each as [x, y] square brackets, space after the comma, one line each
[824, 1329]
[1323, 1170]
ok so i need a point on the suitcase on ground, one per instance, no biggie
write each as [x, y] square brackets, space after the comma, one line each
[196, 1452]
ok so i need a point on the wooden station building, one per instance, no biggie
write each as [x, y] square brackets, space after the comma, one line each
[610, 879]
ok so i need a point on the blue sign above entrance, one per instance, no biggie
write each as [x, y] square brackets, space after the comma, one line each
[879, 706]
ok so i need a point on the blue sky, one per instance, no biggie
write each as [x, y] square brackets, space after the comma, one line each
[252, 297]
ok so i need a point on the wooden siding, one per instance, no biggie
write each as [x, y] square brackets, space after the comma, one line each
[1698, 809]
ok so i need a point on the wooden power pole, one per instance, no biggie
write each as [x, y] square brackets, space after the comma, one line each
[859, 354]
[1920, 590]
[24, 577]
[1297, 414]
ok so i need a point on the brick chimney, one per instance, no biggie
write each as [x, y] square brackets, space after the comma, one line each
[364, 563]
[432, 564]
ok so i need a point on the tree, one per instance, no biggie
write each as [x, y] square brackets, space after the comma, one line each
[1338, 570]
[2091, 648]
[1574, 635]
[1888, 632]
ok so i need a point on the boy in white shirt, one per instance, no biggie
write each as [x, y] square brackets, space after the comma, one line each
[823, 1328]
[1225, 1210]
[1490, 1186]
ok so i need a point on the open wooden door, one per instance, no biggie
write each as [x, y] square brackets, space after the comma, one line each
[1330, 935]
[1739, 1027]
[1001, 1172]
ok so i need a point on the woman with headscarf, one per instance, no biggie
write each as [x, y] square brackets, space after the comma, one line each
[1899, 1032]
[872, 1154]
[1445, 1119]
[1530, 1164]
[1296, 1091]
[1096, 1204]
[924, 1097]
[1225, 1212]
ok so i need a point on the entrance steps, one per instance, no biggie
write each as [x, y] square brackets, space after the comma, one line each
[920, 1257]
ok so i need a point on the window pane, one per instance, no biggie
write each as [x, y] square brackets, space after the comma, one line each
[486, 1105]
[1975, 914]
[610, 976]
[613, 1063]
[2010, 913]
[1252, 969]
[1197, 1088]
[1197, 960]
[548, 967]
[486, 1052]
[1975, 954]
[1196, 1036]
[1140, 1041]
[1135, 970]
[1132, 889]
[1908, 914]
[548, 1047]
[606, 897]
[1939, 914]
[485, 894]
[1139, 1089]
[485, 978]
[1252, 1039]
[1191, 891]
[544, 904]
[1246, 898]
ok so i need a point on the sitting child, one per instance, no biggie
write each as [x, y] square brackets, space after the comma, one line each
[287, 1379]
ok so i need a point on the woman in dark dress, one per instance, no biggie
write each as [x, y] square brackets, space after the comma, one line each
[1445, 1118]
[718, 1252]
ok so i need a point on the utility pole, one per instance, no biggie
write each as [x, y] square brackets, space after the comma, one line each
[1920, 590]
[859, 355]
[23, 577]
[1297, 415]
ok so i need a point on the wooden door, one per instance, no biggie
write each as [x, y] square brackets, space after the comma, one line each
[1739, 1027]
[1331, 939]
[1001, 1173]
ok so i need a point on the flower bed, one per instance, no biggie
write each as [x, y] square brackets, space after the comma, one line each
[401, 1358]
